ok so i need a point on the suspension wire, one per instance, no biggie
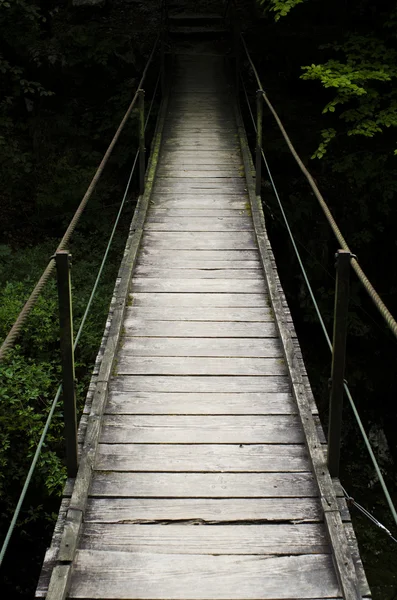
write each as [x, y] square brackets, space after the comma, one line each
[380, 305]
[78, 335]
[323, 327]
[14, 332]
[351, 501]
[29, 476]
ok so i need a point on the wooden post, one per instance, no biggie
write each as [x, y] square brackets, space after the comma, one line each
[258, 152]
[142, 150]
[62, 259]
[338, 360]
[164, 28]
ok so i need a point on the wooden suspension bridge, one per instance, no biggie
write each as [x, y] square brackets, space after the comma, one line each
[203, 472]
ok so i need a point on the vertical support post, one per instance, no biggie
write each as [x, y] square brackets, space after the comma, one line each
[237, 54]
[162, 64]
[142, 150]
[258, 152]
[164, 24]
[338, 360]
[62, 259]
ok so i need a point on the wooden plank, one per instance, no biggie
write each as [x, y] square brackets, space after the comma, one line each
[240, 223]
[197, 212]
[307, 538]
[198, 273]
[176, 186]
[246, 286]
[203, 384]
[203, 510]
[158, 262]
[199, 429]
[229, 256]
[198, 403]
[199, 300]
[219, 131]
[188, 347]
[200, 160]
[206, 313]
[197, 195]
[203, 485]
[204, 457]
[201, 365]
[228, 240]
[206, 329]
[113, 575]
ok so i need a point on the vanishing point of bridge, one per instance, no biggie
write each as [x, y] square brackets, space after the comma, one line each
[202, 473]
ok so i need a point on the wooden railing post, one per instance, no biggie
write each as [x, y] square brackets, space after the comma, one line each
[164, 36]
[338, 360]
[62, 259]
[258, 151]
[142, 150]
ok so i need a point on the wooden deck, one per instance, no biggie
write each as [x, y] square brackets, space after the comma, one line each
[207, 479]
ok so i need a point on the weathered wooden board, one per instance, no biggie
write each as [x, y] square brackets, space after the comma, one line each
[172, 240]
[198, 365]
[203, 457]
[235, 257]
[203, 485]
[204, 510]
[204, 313]
[199, 300]
[198, 429]
[201, 198]
[207, 213]
[271, 539]
[200, 160]
[242, 286]
[198, 403]
[228, 329]
[113, 575]
[202, 384]
[215, 187]
[188, 347]
[197, 273]
[241, 223]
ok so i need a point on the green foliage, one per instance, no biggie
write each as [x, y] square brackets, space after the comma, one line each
[280, 8]
[357, 80]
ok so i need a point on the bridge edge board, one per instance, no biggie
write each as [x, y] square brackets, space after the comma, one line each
[65, 544]
[345, 568]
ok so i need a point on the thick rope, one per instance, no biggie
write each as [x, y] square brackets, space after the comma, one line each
[323, 327]
[384, 311]
[30, 303]
[76, 341]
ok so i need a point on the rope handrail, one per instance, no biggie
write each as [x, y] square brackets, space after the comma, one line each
[323, 327]
[55, 401]
[12, 335]
[380, 305]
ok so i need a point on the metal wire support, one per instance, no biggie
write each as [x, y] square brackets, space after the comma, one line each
[142, 149]
[343, 258]
[258, 151]
[62, 259]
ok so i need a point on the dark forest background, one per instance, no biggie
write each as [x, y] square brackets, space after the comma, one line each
[67, 75]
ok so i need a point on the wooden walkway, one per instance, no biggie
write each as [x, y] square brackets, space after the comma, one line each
[202, 483]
